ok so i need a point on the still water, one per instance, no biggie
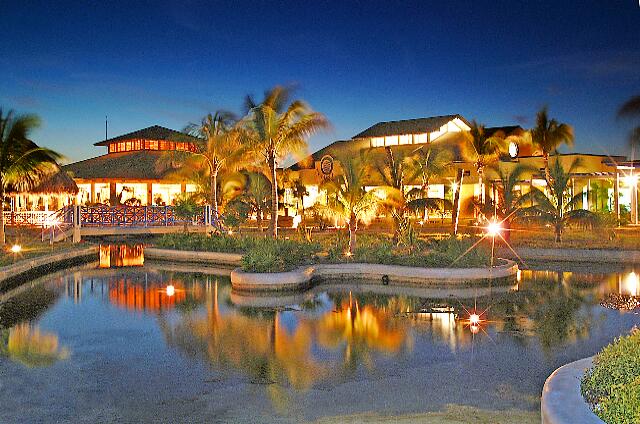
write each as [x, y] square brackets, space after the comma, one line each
[157, 344]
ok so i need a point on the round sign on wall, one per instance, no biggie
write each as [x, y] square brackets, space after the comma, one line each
[326, 165]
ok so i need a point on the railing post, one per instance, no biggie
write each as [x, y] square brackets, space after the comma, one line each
[77, 222]
[145, 216]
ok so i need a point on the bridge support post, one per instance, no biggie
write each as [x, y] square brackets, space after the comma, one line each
[76, 224]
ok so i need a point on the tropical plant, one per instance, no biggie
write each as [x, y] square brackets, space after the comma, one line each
[348, 199]
[548, 135]
[556, 206]
[426, 164]
[186, 208]
[275, 135]
[631, 109]
[23, 164]
[483, 150]
[219, 149]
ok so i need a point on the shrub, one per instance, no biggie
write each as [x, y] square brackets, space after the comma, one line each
[278, 255]
[612, 386]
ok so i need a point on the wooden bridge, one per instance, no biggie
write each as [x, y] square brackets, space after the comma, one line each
[78, 221]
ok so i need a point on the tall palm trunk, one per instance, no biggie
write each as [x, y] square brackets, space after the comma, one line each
[455, 213]
[3, 238]
[481, 198]
[214, 191]
[353, 227]
[274, 196]
[545, 161]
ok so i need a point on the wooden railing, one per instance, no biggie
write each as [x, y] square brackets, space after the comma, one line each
[29, 218]
[135, 216]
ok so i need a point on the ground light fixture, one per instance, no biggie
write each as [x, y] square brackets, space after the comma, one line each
[494, 228]
[16, 248]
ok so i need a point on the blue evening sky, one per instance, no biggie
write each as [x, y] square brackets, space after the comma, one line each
[359, 62]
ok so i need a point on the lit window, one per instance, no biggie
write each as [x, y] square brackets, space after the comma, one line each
[391, 140]
[377, 141]
[153, 144]
[421, 138]
[405, 139]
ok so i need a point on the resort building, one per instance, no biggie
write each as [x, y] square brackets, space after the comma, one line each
[609, 183]
[136, 170]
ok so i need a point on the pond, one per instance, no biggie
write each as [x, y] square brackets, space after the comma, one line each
[157, 344]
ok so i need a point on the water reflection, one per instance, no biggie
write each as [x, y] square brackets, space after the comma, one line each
[121, 255]
[31, 347]
[300, 345]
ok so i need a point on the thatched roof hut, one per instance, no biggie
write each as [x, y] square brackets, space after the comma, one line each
[58, 183]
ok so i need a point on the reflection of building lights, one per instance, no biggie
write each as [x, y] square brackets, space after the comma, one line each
[171, 290]
[493, 229]
[631, 284]
[475, 328]
[16, 248]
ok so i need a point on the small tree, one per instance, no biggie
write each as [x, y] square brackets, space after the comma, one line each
[348, 199]
[557, 206]
[425, 165]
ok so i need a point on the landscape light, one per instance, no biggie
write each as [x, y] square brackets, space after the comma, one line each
[475, 329]
[474, 319]
[16, 248]
[493, 229]
[171, 290]
[230, 232]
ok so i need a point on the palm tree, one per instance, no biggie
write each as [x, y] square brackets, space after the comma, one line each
[548, 135]
[392, 167]
[629, 110]
[483, 150]
[426, 165]
[274, 135]
[256, 195]
[186, 209]
[23, 164]
[506, 202]
[219, 149]
[557, 206]
[348, 199]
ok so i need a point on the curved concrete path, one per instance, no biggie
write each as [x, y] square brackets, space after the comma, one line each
[562, 402]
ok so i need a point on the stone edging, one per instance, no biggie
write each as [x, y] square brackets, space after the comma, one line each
[562, 402]
[576, 255]
[301, 278]
[216, 258]
[11, 274]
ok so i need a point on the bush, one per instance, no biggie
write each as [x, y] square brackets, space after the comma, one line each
[612, 386]
[201, 242]
[278, 255]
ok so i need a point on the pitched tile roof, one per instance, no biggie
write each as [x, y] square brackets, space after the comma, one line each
[155, 132]
[407, 126]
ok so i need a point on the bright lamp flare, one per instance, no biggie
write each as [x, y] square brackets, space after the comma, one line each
[171, 290]
[16, 248]
[494, 228]
[474, 319]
